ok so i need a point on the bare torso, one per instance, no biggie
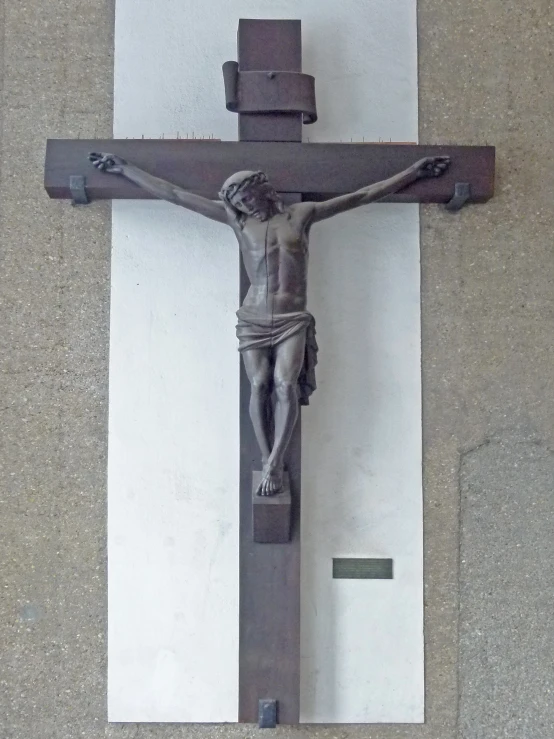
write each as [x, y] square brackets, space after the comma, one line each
[275, 255]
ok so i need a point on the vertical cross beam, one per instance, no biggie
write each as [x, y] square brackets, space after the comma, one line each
[269, 642]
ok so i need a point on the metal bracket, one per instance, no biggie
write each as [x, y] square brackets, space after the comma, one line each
[269, 92]
[267, 713]
[462, 193]
[77, 187]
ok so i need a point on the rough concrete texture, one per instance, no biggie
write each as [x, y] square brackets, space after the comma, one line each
[486, 77]
[507, 598]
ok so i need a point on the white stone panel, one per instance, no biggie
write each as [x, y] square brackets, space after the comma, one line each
[173, 451]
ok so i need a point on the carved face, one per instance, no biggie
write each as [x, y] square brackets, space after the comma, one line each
[251, 194]
[256, 200]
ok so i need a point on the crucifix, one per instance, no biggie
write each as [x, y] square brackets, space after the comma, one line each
[271, 216]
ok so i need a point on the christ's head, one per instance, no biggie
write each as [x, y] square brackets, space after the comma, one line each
[251, 194]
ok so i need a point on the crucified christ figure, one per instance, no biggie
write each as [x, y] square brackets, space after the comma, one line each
[275, 331]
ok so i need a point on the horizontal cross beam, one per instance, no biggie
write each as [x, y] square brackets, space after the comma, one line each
[317, 171]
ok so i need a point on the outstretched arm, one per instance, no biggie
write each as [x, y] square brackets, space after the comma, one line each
[428, 167]
[112, 164]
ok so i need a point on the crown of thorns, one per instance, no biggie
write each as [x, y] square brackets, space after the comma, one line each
[256, 178]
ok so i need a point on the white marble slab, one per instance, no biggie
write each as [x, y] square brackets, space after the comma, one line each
[173, 469]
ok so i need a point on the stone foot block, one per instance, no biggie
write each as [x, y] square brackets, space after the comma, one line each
[271, 513]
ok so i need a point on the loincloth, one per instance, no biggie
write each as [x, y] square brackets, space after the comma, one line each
[263, 332]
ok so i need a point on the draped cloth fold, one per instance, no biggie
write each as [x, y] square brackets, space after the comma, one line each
[263, 332]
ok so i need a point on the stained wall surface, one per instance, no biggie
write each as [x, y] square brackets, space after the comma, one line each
[485, 77]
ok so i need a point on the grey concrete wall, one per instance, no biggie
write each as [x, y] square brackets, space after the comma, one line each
[486, 77]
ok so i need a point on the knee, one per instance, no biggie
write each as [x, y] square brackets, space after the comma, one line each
[286, 389]
[260, 384]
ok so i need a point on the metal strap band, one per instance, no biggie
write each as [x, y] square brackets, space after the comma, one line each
[269, 92]
[77, 187]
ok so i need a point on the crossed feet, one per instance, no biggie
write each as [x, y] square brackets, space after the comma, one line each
[272, 480]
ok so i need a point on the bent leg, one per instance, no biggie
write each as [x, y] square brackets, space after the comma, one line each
[258, 368]
[289, 358]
